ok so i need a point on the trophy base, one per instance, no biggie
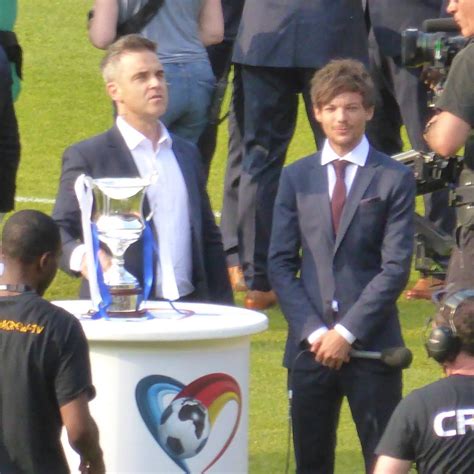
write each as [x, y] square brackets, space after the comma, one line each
[139, 313]
[125, 303]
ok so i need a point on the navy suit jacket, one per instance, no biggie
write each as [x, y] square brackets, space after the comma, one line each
[300, 33]
[390, 17]
[364, 268]
[107, 155]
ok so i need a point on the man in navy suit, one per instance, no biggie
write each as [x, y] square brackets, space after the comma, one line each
[191, 263]
[339, 257]
[279, 45]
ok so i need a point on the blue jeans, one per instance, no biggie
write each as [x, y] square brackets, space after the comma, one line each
[190, 88]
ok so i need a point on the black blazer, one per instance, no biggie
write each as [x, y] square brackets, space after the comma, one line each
[107, 155]
[300, 33]
[364, 268]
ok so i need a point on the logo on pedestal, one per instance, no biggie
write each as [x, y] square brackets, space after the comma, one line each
[183, 426]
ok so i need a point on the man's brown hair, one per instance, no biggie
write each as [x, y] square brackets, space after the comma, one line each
[126, 44]
[340, 76]
[463, 321]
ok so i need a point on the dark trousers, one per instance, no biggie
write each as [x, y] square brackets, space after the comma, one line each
[372, 392]
[270, 112]
[461, 265]
[9, 139]
[220, 59]
[233, 170]
[402, 99]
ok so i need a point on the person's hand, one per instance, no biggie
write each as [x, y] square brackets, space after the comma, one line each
[105, 261]
[331, 350]
[431, 77]
[96, 466]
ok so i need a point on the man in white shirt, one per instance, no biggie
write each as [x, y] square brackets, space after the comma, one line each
[340, 254]
[191, 262]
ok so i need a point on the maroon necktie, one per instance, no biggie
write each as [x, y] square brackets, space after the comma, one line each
[339, 193]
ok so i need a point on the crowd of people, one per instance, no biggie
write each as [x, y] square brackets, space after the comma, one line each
[330, 237]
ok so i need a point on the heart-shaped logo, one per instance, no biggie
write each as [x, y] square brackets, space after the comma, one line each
[182, 427]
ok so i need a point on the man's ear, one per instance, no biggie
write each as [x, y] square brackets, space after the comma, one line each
[113, 90]
[369, 113]
[45, 260]
[317, 113]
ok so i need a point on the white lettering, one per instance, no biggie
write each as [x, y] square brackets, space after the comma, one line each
[438, 423]
[463, 418]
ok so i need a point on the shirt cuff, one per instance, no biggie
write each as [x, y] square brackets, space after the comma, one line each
[315, 335]
[347, 335]
[75, 261]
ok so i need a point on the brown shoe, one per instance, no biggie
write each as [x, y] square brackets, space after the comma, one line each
[236, 278]
[424, 289]
[260, 299]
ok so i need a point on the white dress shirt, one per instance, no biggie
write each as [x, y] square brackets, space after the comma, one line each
[356, 158]
[169, 202]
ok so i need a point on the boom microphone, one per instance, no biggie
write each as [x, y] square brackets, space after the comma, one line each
[396, 357]
[447, 25]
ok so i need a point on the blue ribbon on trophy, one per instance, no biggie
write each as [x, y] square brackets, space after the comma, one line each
[148, 259]
[118, 222]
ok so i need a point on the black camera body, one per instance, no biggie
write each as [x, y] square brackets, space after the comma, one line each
[435, 49]
[435, 45]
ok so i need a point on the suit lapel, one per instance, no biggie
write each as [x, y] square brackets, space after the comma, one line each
[362, 180]
[121, 162]
[322, 206]
[193, 192]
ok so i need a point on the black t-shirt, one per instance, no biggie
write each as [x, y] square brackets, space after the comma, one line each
[458, 95]
[434, 426]
[44, 364]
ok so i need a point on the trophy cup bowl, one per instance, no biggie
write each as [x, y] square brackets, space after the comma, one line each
[119, 221]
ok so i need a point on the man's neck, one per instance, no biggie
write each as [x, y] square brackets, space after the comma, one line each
[462, 365]
[14, 281]
[343, 150]
[149, 127]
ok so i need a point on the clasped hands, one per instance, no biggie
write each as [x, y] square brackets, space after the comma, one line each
[331, 350]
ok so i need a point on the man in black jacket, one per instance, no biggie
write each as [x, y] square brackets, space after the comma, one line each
[45, 371]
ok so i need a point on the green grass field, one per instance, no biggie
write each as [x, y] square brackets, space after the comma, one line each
[63, 101]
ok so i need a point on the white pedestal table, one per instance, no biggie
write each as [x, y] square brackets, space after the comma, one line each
[172, 389]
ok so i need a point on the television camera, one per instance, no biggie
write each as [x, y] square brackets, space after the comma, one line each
[433, 48]
[432, 173]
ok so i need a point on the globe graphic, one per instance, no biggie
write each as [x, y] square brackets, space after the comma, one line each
[184, 428]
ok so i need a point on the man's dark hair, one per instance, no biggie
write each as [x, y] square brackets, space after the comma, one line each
[29, 234]
[340, 76]
[126, 44]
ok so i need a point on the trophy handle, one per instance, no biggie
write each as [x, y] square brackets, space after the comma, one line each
[89, 182]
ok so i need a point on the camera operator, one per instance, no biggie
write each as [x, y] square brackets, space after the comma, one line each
[451, 129]
[434, 425]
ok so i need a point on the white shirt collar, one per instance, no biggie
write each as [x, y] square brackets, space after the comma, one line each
[357, 156]
[133, 137]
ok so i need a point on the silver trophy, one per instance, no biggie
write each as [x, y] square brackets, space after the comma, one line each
[120, 222]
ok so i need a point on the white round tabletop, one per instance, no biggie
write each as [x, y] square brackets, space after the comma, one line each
[162, 323]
